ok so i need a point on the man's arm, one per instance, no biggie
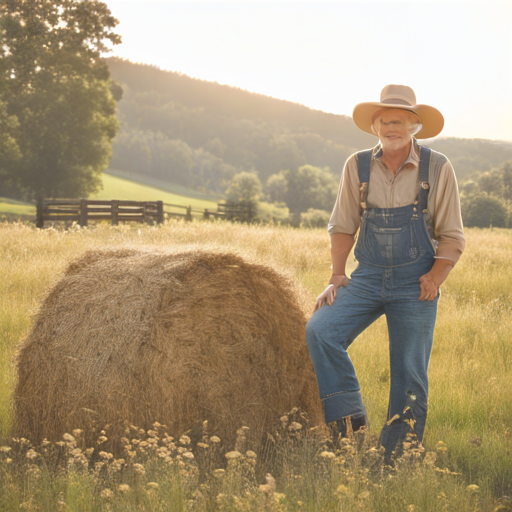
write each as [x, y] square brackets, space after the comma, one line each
[341, 245]
[345, 218]
[449, 232]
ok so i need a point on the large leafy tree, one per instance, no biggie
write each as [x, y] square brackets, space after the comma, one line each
[9, 150]
[55, 88]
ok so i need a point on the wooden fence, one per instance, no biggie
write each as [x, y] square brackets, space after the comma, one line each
[82, 211]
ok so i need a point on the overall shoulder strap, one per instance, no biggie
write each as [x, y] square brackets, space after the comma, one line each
[423, 178]
[364, 159]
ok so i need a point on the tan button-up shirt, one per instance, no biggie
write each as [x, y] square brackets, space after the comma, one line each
[392, 191]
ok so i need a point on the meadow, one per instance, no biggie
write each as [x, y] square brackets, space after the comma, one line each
[124, 186]
[464, 465]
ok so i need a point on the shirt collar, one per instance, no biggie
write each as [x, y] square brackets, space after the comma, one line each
[413, 158]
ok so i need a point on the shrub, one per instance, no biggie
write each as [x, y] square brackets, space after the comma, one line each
[275, 212]
[314, 218]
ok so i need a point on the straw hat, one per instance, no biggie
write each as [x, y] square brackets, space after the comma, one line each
[402, 97]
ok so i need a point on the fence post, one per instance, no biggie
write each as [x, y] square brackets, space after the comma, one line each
[188, 216]
[159, 212]
[83, 213]
[39, 214]
[115, 212]
[206, 214]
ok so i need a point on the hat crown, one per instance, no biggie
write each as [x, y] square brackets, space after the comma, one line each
[398, 95]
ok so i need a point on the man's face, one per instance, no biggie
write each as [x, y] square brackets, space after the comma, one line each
[392, 127]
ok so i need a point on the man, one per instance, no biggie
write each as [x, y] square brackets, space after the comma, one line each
[404, 199]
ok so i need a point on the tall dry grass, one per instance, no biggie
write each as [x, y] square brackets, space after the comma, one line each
[470, 393]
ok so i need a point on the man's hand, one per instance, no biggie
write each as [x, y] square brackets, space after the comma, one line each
[329, 294]
[431, 281]
[429, 289]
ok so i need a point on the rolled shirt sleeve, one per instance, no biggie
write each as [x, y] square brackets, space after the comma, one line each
[444, 207]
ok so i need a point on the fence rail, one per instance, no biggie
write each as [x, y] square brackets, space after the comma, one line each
[84, 210]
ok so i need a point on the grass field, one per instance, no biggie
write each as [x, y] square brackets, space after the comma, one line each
[13, 208]
[470, 416]
[124, 188]
[117, 187]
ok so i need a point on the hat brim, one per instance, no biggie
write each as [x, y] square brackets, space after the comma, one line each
[431, 119]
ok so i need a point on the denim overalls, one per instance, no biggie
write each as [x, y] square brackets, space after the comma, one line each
[394, 249]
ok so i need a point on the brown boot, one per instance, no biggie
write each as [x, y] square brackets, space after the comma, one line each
[359, 426]
[359, 429]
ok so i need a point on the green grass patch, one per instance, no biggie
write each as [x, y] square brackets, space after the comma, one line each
[10, 208]
[117, 187]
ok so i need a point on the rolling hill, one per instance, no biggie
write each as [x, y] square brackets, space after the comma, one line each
[198, 134]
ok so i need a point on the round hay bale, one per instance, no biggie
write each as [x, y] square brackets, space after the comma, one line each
[143, 336]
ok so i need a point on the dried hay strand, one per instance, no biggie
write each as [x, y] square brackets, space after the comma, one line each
[138, 336]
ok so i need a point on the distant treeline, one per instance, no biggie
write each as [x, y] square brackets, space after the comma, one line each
[486, 197]
[200, 134]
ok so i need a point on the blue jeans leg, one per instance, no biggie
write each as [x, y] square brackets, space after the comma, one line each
[329, 333]
[411, 330]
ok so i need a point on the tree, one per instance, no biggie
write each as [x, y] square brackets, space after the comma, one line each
[506, 175]
[483, 210]
[9, 150]
[277, 187]
[245, 187]
[490, 182]
[56, 85]
[311, 187]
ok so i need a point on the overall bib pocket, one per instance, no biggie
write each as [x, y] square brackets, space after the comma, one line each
[388, 246]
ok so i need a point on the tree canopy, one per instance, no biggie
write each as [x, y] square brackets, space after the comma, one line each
[483, 210]
[55, 90]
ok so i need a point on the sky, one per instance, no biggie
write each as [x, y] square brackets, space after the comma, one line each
[331, 55]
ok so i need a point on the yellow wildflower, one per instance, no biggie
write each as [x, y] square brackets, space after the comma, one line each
[139, 469]
[106, 494]
[31, 454]
[343, 490]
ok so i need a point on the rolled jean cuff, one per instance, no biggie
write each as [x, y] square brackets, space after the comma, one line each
[345, 403]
